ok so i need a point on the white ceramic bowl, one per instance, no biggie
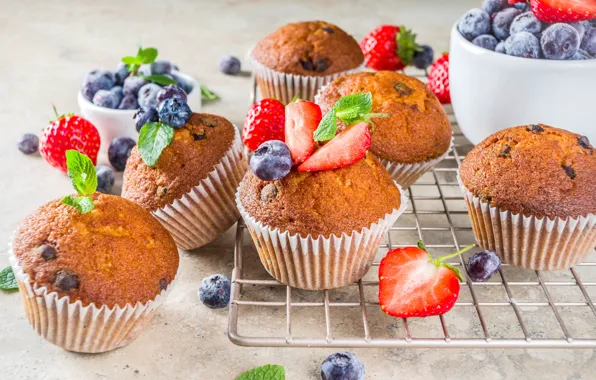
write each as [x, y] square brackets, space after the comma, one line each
[492, 91]
[112, 123]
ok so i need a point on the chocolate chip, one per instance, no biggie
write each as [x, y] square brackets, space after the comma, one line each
[321, 65]
[163, 284]
[402, 89]
[208, 121]
[66, 280]
[584, 142]
[307, 64]
[328, 29]
[197, 136]
[535, 128]
[269, 193]
[569, 171]
[161, 191]
[505, 152]
[488, 198]
[46, 252]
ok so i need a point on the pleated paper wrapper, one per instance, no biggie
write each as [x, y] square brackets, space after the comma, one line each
[78, 328]
[528, 241]
[321, 262]
[209, 209]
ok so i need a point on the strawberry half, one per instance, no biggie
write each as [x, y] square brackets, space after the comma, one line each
[302, 120]
[554, 11]
[344, 149]
[264, 121]
[413, 284]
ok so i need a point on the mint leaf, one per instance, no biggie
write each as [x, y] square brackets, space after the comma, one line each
[130, 60]
[147, 55]
[327, 127]
[160, 79]
[7, 280]
[351, 108]
[153, 139]
[266, 372]
[207, 94]
[82, 203]
[81, 172]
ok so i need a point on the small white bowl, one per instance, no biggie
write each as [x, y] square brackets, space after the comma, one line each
[492, 91]
[113, 123]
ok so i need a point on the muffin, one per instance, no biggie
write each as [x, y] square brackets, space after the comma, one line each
[91, 282]
[418, 133]
[191, 188]
[298, 58]
[531, 195]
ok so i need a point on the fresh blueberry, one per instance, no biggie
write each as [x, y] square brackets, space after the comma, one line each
[581, 27]
[91, 76]
[119, 151]
[182, 83]
[145, 69]
[121, 73]
[174, 111]
[105, 98]
[492, 6]
[525, 22]
[29, 143]
[170, 91]
[102, 78]
[560, 41]
[271, 161]
[592, 22]
[483, 265]
[423, 58]
[500, 48]
[580, 55]
[132, 85]
[229, 65]
[129, 102]
[118, 91]
[89, 90]
[148, 95]
[342, 366]
[161, 67]
[502, 22]
[486, 41]
[474, 23]
[589, 42]
[214, 291]
[522, 6]
[145, 115]
[105, 179]
[523, 44]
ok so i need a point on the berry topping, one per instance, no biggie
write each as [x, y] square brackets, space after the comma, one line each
[526, 22]
[502, 22]
[438, 79]
[46, 252]
[105, 98]
[264, 121]
[148, 95]
[129, 102]
[269, 192]
[569, 171]
[486, 41]
[170, 91]
[342, 366]
[271, 161]
[559, 41]
[553, 11]
[66, 280]
[523, 44]
[389, 47]
[132, 85]
[28, 144]
[229, 65]
[584, 142]
[174, 112]
[105, 179]
[302, 120]
[483, 265]
[214, 291]
[145, 115]
[119, 152]
[534, 128]
[423, 57]
[474, 23]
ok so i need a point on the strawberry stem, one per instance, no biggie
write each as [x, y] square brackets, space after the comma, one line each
[55, 111]
[439, 260]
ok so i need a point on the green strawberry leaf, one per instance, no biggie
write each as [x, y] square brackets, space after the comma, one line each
[153, 139]
[81, 172]
[455, 269]
[82, 203]
[406, 45]
[266, 372]
[207, 94]
[420, 245]
[159, 79]
[327, 127]
[7, 279]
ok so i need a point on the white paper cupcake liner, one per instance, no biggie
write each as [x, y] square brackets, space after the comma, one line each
[529, 241]
[321, 262]
[78, 328]
[209, 209]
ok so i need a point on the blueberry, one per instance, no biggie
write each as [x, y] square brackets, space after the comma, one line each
[581, 27]
[589, 42]
[214, 291]
[91, 76]
[174, 111]
[121, 73]
[502, 22]
[271, 161]
[523, 44]
[118, 91]
[522, 6]
[342, 366]
[580, 55]
[483, 265]
[559, 41]
[486, 41]
[474, 23]
[492, 6]
[525, 22]
[132, 85]
[148, 95]
[423, 58]
[145, 115]
[105, 98]
[129, 102]
[182, 83]
[229, 65]
[103, 79]
[161, 67]
[88, 90]
[29, 143]
[170, 91]
[500, 48]
[145, 69]
[119, 151]
[105, 179]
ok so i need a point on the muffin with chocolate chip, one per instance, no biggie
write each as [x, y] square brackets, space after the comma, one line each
[190, 189]
[531, 195]
[416, 135]
[298, 58]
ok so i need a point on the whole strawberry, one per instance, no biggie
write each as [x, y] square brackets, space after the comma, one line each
[438, 79]
[65, 133]
[264, 121]
[555, 11]
[389, 47]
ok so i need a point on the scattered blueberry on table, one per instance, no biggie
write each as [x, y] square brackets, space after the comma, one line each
[424, 57]
[105, 179]
[214, 291]
[342, 366]
[28, 143]
[483, 265]
[229, 65]
[119, 151]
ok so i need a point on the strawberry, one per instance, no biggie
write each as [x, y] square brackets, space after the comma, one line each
[413, 284]
[438, 79]
[302, 119]
[344, 149]
[65, 133]
[554, 11]
[389, 47]
[264, 122]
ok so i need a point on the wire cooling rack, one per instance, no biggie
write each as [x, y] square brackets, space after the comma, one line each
[516, 308]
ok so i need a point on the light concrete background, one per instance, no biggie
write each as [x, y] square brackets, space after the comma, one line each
[45, 50]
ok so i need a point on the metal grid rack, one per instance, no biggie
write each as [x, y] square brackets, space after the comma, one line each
[516, 308]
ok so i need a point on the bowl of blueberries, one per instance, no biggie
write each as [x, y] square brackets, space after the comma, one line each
[111, 99]
[515, 63]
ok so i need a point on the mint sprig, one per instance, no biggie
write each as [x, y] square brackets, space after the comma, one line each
[208, 95]
[266, 372]
[81, 172]
[153, 139]
[145, 57]
[7, 279]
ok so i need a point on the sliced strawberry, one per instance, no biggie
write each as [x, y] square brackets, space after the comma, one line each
[302, 119]
[344, 149]
[554, 11]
